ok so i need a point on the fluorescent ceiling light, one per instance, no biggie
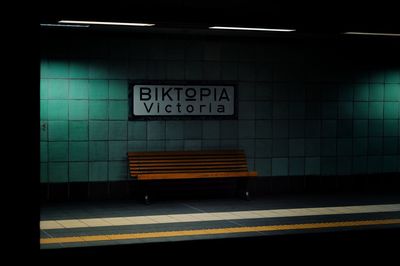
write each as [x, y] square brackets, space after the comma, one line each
[372, 33]
[105, 23]
[242, 28]
[64, 25]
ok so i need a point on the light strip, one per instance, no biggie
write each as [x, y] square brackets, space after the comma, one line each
[255, 29]
[372, 33]
[64, 25]
[105, 23]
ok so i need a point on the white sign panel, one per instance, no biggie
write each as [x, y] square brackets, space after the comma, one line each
[183, 100]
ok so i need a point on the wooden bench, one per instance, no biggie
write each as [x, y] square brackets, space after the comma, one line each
[170, 165]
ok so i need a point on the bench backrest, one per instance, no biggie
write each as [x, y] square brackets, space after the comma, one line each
[186, 162]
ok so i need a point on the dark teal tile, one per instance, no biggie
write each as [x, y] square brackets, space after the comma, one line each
[375, 128]
[117, 171]
[57, 68]
[328, 166]
[376, 92]
[78, 110]
[229, 71]
[297, 93]
[118, 68]
[78, 172]
[390, 145]
[391, 110]
[263, 167]
[328, 147]
[313, 92]
[228, 144]
[155, 145]
[391, 128]
[263, 148]
[313, 129]
[345, 128]
[263, 91]
[192, 129]
[361, 92]
[117, 150]
[79, 68]
[392, 76]
[138, 145]
[78, 130]
[98, 110]
[155, 130]
[246, 91]
[247, 110]
[264, 72]
[79, 89]
[296, 166]
[329, 110]
[346, 92]
[57, 110]
[192, 145]
[263, 129]
[247, 71]
[280, 128]
[58, 151]
[118, 130]
[98, 89]
[280, 110]
[174, 145]
[376, 110]
[246, 129]
[118, 110]
[98, 130]
[118, 90]
[98, 69]
[98, 171]
[375, 164]
[280, 166]
[312, 147]
[174, 130]
[391, 164]
[58, 89]
[296, 147]
[44, 109]
[98, 150]
[137, 130]
[280, 148]
[360, 146]
[137, 69]
[44, 67]
[344, 165]
[345, 110]
[211, 129]
[57, 130]
[228, 129]
[211, 144]
[43, 151]
[392, 92]
[360, 165]
[297, 110]
[377, 76]
[329, 92]
[328, 129]
[345, 147]
[78, 151]
[375, 146]
[312, 166]
[360, 128]
[44, 89]
[58, 172]
[248, 146]
[176, 69]
[263, 110]
[43, 131]
[44, 173]
[313, 110]
[156, 70]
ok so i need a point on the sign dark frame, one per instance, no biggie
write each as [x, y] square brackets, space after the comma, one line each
[133, 117]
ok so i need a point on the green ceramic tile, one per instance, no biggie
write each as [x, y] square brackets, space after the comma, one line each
[78, 110]
[345, 110]
[174, 145]
[192, 145]
[329, 110]
[391, 128]
[98, 150]
[263, 148]
[58, 172]
[390, 145]
[360, 165]
[98, 69]
[57, 110]
[58, 151]
[312, 147]
[210, 144]
[360, 128]
[296, 166]
[43, 151]
[78, 151]
[376, 110]
[390, 164]
[43, 130]
[360, 110]
[360, 146]
[140, 145]
[344, 165]
[280, 110]
[117, 150]
[263, 92]
[192, 129]
[328, 147]
[312, 166]
[263, 129]
[98, 171]
[280, 166]
[297, 110]
[58, 89]
[263, 167]
[228, 144]
[280, 148]
[377, 76]
[246, 91]
[228, 129]
[98, 130]
[137, 130]
[296, 147]
[211, 129]
[44, 89]
[118, 89]
[246, 129]
[155, 145]
[44, 107]
[79, 69]
[313, 129]
[280, 128]
[328, 166]
[375, 146]
[248, 146]
[392, 76]
[117, 130]
[247, 110]
[78, 172]
[344, 147]
[391, 110]
[117, 171]
[155, 130]
[376, 92]
[345, 128]
[98, 110]
[57, 130]
[174, 130]
[44, 68]
[346, 92]
[44, 173]
[263, 110]
[98, 89]
[78, 89]
[375, 128]
[375, 164]
[57, 68]
[78, 130]
[328, 129]
[118, 110]
[361, 92]
[313, 110]
[392, 92]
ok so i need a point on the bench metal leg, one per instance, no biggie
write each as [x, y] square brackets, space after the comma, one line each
[242, 189]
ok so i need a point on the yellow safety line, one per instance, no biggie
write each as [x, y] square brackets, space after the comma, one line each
[229, 230]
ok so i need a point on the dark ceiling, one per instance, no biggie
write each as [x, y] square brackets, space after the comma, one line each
[308, 18]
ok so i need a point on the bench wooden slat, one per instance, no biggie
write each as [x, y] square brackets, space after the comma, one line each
[195, 175]
[187, 157]
[172, 164]
[171, 153]
[199, 160]
[136, 171]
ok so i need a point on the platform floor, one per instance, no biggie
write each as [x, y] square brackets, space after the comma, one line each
[84, 224]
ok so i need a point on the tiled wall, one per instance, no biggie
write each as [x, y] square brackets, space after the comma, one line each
[302, 110]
